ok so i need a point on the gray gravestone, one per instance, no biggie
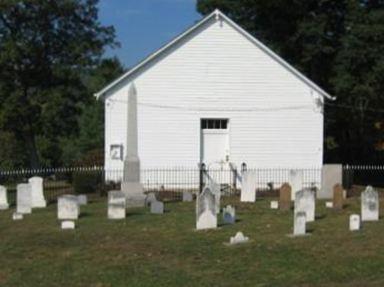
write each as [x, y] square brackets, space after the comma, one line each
[187, 196]
[248, 186]
[157, 207]
[299, 224]
[295, 181]
[3, 198]
[331, 174]
[24, 198]
[229, 214]
[151, 197]
[238, 239]
[305, 202]
[131, 186]
[206, 210]
[369, 204]
[67, 207]
[116, 205]
[37, 192]
[82, 199]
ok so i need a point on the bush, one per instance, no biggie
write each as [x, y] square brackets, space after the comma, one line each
[86, 182]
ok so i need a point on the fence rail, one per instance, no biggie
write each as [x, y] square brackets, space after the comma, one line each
[170, 182]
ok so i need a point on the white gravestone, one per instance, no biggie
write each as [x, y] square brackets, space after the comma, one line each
[295, 181]
[67, 207]
[299, 223]
[274, 204]
[24, 198]
[67, 224]
[17, 216]
[187, 196]
[248, 186]
[238, 239]
[354, 222]
[116, 205]
[3, 198]
[38, 200]
[369, 204]
[229, 214]
[215, 188]
[157, 207]
[206, 217]
[305, 202]
[82, 199]
[329, 204]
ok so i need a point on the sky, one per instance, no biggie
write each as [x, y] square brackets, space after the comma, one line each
[143, 26]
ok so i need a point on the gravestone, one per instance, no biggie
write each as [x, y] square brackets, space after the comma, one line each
[229, 214]
[157, 207]
[67, 224]
[116, 205]
[206, 217]
[369, 204]
[37, 192]
[24, 198]
[299, 223]
[150, 197]
[131, 186]
[274, 204]
[285, 197]
[67, 207]
[296, 181]
[82, 199]
[338, 197]
[3, 198]
[305, 202]
[238, 239]
[331, 174]
[215, 188]
[329, 204]
[354, 222]
[17, 216]
[187, 196]
[248, 186]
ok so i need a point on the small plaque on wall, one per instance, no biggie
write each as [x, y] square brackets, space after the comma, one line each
[116, 152]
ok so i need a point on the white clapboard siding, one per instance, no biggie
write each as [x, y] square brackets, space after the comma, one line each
[217, 72]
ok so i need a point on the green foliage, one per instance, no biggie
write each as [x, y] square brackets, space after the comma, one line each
[86, 182]
[338, 44]
[45, 48]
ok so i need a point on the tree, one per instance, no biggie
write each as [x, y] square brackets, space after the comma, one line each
[45, 45]
[337, 44]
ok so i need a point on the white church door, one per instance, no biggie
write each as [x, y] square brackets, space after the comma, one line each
[214, 142]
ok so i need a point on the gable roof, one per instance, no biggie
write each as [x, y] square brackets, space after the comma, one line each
[217, 14]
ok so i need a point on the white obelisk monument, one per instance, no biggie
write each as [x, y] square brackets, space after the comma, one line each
[131, 186]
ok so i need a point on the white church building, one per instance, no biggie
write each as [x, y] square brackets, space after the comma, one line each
[216, 95]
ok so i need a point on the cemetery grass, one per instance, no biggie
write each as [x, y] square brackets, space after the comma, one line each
[165, 250]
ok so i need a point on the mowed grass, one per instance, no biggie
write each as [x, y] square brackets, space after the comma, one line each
[165, 250]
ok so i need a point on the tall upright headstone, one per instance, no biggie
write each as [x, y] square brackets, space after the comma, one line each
[331, 174]
[296, 181]
[285, 197]
[206, 216]
[354, 222]
[24, 198]
[116, 205]
[305, 202]
[248, 186]
[3, 198]
[299, 224]
[338, 196]
[131, 186]
[37, 192]
[369, 204]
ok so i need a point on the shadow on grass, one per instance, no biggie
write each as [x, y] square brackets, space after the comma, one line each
[320, 216]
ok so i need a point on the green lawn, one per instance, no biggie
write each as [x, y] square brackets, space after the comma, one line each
[165, 250]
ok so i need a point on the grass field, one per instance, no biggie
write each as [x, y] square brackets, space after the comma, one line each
[165, 250]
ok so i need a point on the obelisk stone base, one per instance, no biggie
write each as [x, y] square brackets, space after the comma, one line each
[134, 193]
